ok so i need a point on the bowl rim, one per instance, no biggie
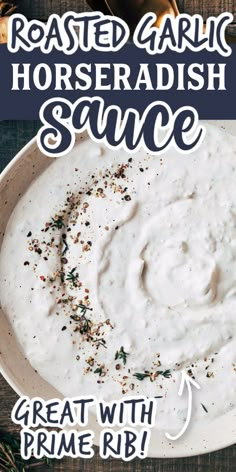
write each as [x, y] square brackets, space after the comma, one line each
[167, 454]
[3, 175]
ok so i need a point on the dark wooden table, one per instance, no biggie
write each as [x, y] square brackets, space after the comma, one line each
[13, 135]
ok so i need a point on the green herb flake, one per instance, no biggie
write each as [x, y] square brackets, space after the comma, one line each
[73, 277]
[85, 325]
[121, 354]
[153, 375]
[98, 371]
[57, 223]
[166, 373]
[83, 309]
[142, 376]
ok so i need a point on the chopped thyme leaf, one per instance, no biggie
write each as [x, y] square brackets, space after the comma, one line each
[58, 223]
[73, 277]
[98, 371]
[100, 342]
[85, 325]
[165, 373]
[83, 308]
[121, 354]
[153, 375]
[143, 376]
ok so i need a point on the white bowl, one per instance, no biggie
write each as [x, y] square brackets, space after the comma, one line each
[15, 179]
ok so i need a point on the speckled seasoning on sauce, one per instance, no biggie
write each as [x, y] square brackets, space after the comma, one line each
[117, 272]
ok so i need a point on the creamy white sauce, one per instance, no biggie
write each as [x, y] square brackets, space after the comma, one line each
[151, 250]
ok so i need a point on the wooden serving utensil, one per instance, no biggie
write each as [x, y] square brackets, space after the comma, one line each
[6, 9]
[133, 10]
[99, 5]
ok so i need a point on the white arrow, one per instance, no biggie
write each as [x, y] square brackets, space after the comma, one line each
[185, 379]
